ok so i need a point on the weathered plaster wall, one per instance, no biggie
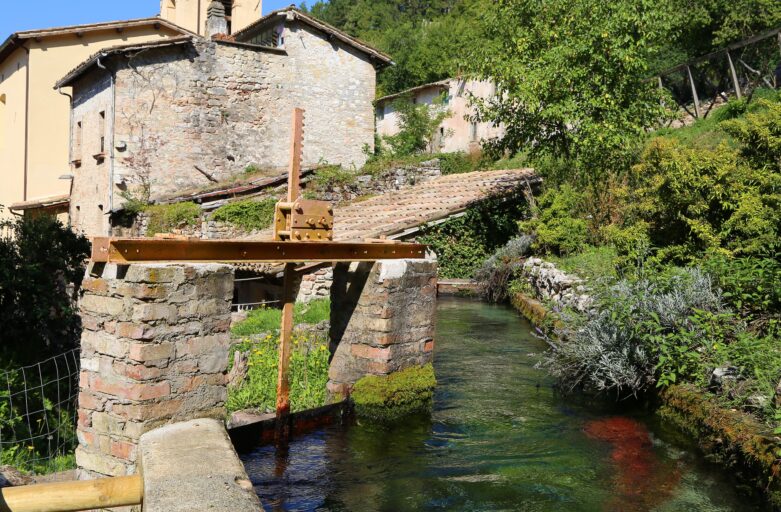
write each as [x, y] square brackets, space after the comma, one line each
[457, 132]
[382, 319]
[154, 350]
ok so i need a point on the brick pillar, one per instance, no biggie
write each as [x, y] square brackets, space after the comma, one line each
[382, 319]
[154, 350]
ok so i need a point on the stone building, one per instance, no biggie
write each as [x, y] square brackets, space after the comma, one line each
[179, 114]
[458, 132]
[34, 118]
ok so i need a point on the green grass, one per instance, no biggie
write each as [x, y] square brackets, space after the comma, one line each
[308, 373]
[267, 320]
[248, 215]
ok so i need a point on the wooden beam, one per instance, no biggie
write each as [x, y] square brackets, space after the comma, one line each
[296, 148]
[285, 347]
[697, 113]
[124, 251]
[72, 496]
[734, 74]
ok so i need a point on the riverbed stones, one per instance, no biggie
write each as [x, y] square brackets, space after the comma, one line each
[382, 319]
[154, 350]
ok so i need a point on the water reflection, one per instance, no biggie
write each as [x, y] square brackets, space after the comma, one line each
[499, 438]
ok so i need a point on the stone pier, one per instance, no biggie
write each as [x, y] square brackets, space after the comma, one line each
[382, 319]
[154, 351]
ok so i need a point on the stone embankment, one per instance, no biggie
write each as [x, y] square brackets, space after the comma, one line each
[554, 286]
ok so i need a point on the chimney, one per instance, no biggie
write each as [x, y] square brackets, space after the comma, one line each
[215, 19]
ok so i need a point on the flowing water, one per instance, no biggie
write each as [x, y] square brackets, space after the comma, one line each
[499, 438]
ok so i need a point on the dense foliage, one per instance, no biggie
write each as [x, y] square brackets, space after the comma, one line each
[389, 398]
[418, 124]
[463, 243]
[41, 269]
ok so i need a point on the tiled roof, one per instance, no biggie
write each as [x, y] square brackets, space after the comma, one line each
[15, 40]
[401, 212]
[293, 12]
[396, 212]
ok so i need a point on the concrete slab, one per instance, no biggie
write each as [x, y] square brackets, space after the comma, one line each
[192, 467]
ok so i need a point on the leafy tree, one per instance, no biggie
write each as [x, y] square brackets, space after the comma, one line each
[572, 77]
[41, 269]
[418, 124]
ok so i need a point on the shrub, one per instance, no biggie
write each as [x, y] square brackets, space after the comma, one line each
[41, 270]
[695, 200]
[248, 215]
[163, 218]
[555, 224]
[387, 399]
[331, 176]
[418, 124]
[496, 273]
[645, 331]
[459, 162]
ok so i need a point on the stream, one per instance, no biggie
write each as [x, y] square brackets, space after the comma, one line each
[500, 438]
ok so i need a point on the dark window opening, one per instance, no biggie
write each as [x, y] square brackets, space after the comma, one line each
[102, 132]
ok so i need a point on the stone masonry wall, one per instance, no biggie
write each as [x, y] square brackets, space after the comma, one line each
[556, 286]
[154, 350]
[382, 319]
[316, 285]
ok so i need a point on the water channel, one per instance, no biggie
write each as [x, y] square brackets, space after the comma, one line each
[499, 438]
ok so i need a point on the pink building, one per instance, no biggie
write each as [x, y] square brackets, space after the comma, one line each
[457, 132]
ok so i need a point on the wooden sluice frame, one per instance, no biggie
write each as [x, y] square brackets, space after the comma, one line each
[294, 220]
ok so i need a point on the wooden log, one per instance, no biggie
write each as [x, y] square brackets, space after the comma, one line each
[734, 74]
[285, 345]
[72, 496]
[697, 112]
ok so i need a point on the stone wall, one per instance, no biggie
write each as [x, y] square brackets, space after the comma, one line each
[223, 106]
[382, 319]
[316, 285]
[154, 350]
[553, 285]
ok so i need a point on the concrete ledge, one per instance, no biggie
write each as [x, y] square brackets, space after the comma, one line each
[192, 467]
[458, 288]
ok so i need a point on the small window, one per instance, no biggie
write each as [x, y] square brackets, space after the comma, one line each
[102, 131]
[380, 113]
[77, 137]
[473, 131]
[415, 100]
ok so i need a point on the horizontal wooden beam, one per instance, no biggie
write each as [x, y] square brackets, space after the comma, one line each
[124, 251]
[71, 496]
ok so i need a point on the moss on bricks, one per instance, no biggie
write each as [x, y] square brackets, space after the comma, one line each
[387, 399]
[734, 437]
[163, 218]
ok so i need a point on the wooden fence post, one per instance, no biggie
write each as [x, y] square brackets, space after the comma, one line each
[697, 113]
[734, 74]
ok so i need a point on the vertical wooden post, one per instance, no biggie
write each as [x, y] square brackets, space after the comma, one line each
[697, 113]
[735, 82]
[296, 147]
[288, 293]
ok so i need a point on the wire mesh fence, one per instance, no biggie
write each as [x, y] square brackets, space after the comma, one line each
[38, 405]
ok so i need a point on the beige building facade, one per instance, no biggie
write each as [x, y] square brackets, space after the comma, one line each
[180, 114]
[34, 117]
[458, 132]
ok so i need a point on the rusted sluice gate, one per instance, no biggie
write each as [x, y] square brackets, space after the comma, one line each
[303, 233]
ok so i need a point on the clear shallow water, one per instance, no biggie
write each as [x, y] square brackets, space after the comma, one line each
[499, 438]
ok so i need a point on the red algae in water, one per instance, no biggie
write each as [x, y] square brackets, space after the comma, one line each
[641, 481]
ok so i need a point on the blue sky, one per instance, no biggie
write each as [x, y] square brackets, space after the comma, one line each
[56, 13]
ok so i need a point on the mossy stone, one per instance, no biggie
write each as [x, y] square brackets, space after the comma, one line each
[388, 399]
